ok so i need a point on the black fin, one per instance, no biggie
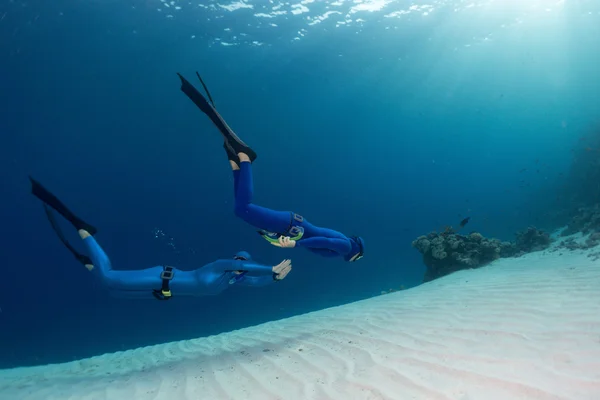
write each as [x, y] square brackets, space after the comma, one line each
[83, 259]
[206, 90]
[231, 156]
[48, 198]
[207, 108]
[197, 98]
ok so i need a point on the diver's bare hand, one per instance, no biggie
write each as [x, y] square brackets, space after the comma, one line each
[282, 269]
[286, 242]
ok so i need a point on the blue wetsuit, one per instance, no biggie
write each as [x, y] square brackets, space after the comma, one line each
[210, 279]
[322, 241]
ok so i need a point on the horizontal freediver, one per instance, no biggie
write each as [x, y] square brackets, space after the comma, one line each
[280, 228]
[161, 282]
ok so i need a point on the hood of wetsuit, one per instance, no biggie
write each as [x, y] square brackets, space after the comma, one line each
[242, 255]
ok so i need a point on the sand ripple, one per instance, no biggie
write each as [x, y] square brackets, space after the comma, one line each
[527, 328]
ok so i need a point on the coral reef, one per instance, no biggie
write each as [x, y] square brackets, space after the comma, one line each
[586, 220]
[571, 244]
[447, 252]
[571, 197]
[584, 172]
[531, 239]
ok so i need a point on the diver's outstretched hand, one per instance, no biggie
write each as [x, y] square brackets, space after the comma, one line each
[285, 242]
[282, 269]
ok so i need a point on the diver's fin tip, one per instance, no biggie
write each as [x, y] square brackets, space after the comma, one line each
[36, 187]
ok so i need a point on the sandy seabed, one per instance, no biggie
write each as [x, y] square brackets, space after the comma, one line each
[523, 328]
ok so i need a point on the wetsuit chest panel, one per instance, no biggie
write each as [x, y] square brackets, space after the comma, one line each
[295, 230]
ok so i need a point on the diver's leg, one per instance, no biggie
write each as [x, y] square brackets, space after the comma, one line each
[236, 179]
[245, 192]
[317, 231]
[138, 283]
[257, 216]
[140, 280]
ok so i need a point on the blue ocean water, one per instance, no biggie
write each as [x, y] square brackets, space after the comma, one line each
[385, 119]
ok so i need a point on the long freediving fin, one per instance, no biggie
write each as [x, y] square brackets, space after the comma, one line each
[206, 90]
[52, 202]
[196, 97]
[83, 259]
[209, 109]
[48, 198]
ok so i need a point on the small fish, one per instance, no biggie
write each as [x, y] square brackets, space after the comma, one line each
[464, 222]
[523, 170]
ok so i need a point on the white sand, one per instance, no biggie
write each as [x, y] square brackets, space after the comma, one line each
[526, 328]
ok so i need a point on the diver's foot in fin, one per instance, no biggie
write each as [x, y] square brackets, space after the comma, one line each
[51, 200]
[240, 147]
[231, 156]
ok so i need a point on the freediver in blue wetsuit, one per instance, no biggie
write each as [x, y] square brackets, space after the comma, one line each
[280, 228]
[160, 282]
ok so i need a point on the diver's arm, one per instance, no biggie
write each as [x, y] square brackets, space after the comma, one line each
[222, 266]
[340, 246]
[280, 271]
[257, 281]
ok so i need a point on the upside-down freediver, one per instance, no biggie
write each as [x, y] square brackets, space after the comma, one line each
[281, 228]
